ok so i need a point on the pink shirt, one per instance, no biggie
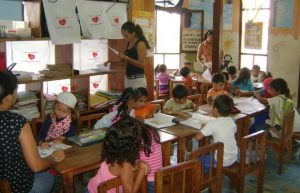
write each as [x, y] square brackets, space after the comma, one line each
[163, 80]
[155, 159]
[102, 175]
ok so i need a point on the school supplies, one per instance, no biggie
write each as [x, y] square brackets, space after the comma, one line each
[88, 137]
[161, 120]
[114, 51]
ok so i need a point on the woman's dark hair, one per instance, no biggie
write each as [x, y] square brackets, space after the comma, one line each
[8, 83]
[280, 86]
[208, 33]
[224, 104]
[231, 70]
[123, 142]
[143, 91]
[244, 76]
[131, 28]
[127, 94]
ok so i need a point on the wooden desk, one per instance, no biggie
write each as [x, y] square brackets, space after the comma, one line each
[83, 159]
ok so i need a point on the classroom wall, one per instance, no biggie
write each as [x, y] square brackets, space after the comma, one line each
[11, 10]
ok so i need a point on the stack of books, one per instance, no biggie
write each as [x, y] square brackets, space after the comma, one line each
[103, 99]
[49, 103]
[27, 105]
[57, 71]
[81, 102]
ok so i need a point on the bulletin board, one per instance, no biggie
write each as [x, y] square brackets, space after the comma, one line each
[191, 33]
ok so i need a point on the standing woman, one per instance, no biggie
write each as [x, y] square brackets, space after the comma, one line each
[204, 52]
[135, 55]
[20, 162]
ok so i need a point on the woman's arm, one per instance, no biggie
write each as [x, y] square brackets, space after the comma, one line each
[199, 53]
[32, 157]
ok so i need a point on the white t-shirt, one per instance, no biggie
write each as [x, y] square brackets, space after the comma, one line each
[107, 120]
[223, 129]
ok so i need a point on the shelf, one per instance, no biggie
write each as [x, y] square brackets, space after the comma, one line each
[83, 74]
[24, 39]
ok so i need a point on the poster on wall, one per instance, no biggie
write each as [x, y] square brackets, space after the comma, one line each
[282, 13]
[147, 23]
[227, 15]
[253, 35]
[207, 7]
[191, 30]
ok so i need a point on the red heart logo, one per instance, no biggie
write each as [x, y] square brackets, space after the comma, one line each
[95, 54]
[95, 19]
[64, 88]
[62, 21]
[116, 20]
[95, 85]
[31, 56]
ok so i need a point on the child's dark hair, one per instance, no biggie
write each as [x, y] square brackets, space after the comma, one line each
[8, 84]
[184, 71]
[244, 76]
[143, 91]
[257, 67]
[231, 70]
[127, 94]
[280, 86]
[224, 104]
[226, 75]
[218, 77]
[180, 91]
[131, 28]
[123, 142]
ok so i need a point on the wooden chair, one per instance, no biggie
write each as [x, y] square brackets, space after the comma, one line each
[182, 177]
[116, 183]
[296, 135]
[212, 178]
[252, 160]
[160, 102]
[5, 186]
[285, 141]
[198, 99]
[88, 121]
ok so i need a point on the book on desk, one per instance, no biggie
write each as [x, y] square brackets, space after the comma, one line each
[197, 120]
[88, 137]
[161, 120]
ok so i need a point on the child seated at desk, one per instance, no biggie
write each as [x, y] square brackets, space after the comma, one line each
[243, 84]
[222, 129]
[179, 102]
[121, 149]
[59, 124]
[143, 109]
[163, 79]
[187, 79]
[279, 105]
[256, 75]
[218, 82]
[232, 73]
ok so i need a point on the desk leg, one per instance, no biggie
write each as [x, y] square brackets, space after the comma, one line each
[166, 153]
[181, 150]
[68, 183]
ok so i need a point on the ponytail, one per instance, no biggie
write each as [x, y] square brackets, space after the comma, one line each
[131, 28]
[140, 35]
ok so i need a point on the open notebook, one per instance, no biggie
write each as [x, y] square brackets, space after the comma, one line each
[53, 147]
[197, 120]
[89, 137]
[161, 120]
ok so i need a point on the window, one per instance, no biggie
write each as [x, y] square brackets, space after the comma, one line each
[167, 50]
[257, 11]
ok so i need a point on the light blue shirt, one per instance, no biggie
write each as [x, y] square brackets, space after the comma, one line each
[248, 86]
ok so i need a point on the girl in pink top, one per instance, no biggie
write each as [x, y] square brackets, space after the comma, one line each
[163, 79]
[121, 147]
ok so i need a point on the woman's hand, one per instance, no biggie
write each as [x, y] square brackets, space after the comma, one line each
[123, 57]
[59, 155]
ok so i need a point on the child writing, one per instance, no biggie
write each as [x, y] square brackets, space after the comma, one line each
[179, 102]
[232, 73]
[279, 105]
[143, 109]
[163, 79]
[218, 83]
[243, 83]
[124, 105]
[121, 147]
[187, 79]
[222, 129]
[59, 124]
